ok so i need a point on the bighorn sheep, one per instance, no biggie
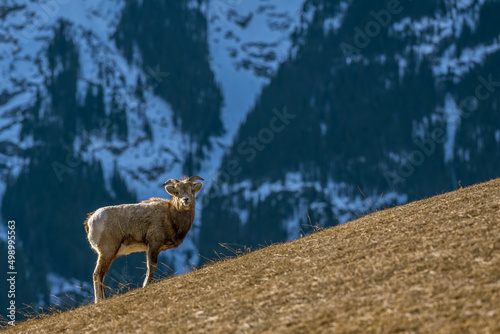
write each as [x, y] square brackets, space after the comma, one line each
[151, 226]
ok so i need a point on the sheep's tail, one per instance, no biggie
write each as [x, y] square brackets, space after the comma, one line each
[85, 223]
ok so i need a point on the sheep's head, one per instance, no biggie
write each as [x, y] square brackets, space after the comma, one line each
[183, 191]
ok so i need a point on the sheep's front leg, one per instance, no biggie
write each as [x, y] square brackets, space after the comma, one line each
[152, 259]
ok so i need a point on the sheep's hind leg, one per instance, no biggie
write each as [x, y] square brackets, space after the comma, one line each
[152, 259]
[101, 268]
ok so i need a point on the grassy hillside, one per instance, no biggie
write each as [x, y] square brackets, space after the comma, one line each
[430, 266]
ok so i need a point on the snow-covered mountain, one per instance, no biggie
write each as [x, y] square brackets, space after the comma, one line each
[385, 104]
[295, 112]
[69, 82]
[89, 25]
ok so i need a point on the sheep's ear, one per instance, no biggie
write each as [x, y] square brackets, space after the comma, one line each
[197, 187]
[171, 190]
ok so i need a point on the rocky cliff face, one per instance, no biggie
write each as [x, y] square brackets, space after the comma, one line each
[387, 103]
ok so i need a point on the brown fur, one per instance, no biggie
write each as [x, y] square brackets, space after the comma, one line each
[85, 223]
[153, 199]
[153, 226]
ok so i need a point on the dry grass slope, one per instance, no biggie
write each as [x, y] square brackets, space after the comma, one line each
[431, 266]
